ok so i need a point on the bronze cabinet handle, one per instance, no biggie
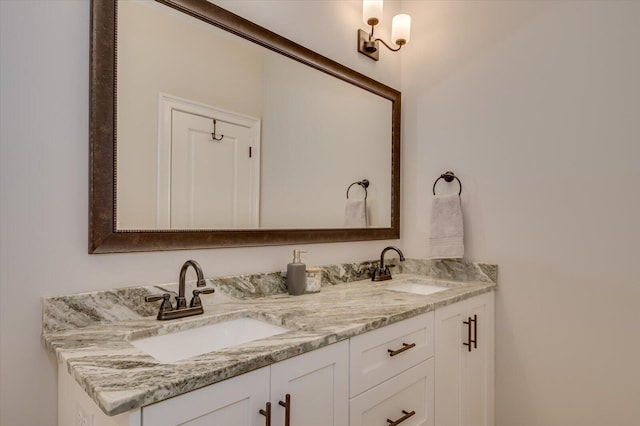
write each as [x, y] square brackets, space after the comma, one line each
[287, 409]
[468, 342]
[471, 340]
[407, 414]
[267, 414]
[475, 331]
[405, 347]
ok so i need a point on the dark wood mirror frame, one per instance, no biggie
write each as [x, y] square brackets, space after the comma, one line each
[103, 235]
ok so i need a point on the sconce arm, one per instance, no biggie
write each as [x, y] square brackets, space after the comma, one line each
[389, 47]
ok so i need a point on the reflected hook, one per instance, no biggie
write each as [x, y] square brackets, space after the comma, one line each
[213, 135]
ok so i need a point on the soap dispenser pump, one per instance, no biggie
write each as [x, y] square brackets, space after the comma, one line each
[296, 275]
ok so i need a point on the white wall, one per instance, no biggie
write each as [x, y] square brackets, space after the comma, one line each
[536, 106]
[44, 175]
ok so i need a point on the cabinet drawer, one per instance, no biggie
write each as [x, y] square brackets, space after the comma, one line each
[371, 362]
[409, 395]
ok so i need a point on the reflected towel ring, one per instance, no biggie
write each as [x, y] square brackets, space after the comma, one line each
[364, 183]
[448, 177]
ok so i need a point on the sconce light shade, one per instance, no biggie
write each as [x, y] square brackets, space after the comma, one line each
[372, 11]
[368, 44]
[401, 29]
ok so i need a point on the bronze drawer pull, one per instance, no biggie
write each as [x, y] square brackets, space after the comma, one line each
[405, 347]
[401, 419]
[267, 414]
[287, 409]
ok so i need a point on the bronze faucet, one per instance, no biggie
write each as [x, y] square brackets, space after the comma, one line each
[382, 272]
[181, 310]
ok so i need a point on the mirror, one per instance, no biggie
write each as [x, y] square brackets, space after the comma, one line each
[304, 128]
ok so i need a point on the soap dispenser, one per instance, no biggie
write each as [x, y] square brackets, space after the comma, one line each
[296, 275]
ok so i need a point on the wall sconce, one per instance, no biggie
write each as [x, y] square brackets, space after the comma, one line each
[372, 15]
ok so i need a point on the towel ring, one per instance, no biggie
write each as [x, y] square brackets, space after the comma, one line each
[448, 177]
[364, 183]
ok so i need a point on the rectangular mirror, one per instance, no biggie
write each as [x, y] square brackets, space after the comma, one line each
[207, 130]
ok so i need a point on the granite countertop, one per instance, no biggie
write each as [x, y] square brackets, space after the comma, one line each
[91, 333]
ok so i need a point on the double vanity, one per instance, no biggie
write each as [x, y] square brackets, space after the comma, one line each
[413, 350]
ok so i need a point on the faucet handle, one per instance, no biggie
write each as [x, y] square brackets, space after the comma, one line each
[381, 274]
[195, 301]
[166, 302]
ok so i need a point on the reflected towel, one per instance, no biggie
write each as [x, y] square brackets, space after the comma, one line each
[355, 213]
[447, 234]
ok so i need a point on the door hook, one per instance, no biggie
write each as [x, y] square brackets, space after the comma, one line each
[213, 135]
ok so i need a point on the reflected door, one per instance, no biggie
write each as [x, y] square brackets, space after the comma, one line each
[211, 179]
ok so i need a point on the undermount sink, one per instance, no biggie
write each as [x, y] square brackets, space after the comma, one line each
[418, 286]
[168, 348]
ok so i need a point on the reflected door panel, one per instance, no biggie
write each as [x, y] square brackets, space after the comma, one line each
[210, 179]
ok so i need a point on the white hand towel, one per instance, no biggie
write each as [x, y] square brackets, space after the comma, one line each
[355, 213]
[446, 238]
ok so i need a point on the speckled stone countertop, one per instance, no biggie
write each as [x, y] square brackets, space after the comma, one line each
[90, 333]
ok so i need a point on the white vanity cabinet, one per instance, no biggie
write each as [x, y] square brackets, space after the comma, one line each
[464, 362]
[433, 369]
[316, 383]
[391, 372]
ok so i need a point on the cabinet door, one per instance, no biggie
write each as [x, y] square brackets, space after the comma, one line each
[464, 378]
[448, 369]
[317, 383]
[478, 365]
[233, 402]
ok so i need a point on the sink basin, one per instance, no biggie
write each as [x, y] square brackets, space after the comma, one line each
[417, 286]
[168, 348]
